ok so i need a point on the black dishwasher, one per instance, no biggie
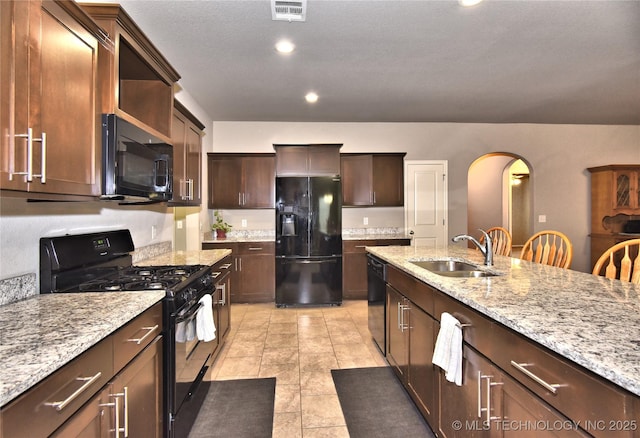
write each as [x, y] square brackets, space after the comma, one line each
[376, 297]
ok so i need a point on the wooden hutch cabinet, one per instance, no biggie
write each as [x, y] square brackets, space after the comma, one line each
[136, 81]
[615, 199]
[241, 180]
[49, 116]
[187, 157]
[372, 180]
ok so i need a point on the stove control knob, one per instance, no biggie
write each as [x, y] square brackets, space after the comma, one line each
[206, 280]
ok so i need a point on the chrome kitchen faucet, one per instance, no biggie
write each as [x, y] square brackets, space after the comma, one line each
[486, 249]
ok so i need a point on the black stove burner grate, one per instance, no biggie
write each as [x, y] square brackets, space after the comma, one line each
[137, 278]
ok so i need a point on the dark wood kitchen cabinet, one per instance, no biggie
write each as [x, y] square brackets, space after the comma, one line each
[254, 270]
[308, 160]
[50, 109]
[372, 180]
[186, 133]
[123, 371]
[241, 180]
[354, 265]
[136, 80]
[410, 338]
[138, 411]
[511, 386]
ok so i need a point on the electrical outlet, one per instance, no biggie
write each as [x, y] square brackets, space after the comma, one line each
[244, 223]
[179, 225]
[542, 218]
[365, 220]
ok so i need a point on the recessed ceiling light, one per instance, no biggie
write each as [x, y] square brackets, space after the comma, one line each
[468, 3]
[311, 97]
[285, 46]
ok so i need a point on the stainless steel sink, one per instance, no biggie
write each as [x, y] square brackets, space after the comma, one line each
[445, 265]
[453, 268]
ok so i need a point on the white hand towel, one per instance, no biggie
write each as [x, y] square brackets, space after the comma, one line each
[447, 353]
[181, 332]
[205, 326]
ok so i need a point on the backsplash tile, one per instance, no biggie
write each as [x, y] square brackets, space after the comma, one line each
[17, 288]
[149, 251]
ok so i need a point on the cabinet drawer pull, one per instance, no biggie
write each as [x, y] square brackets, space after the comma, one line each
[255, 248]
[360, 246]
[551, 387]
[88, 381]
[223, 293]
[150, 330]
[225, 266]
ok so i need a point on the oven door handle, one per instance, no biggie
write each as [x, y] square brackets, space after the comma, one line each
[190, 313]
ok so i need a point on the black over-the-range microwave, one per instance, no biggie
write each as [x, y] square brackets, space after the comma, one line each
[134, 162]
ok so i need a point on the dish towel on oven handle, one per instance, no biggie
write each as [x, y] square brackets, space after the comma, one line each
[205, 326]
[447, 353]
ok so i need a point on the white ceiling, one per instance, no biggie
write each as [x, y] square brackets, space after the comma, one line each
[526, 61]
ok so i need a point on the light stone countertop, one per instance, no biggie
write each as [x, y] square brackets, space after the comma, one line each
[199, 257]
[590, 320]
[375, 236]
[41, 334]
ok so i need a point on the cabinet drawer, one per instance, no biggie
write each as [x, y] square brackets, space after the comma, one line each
[580, 395]
[136, 335]
[415, 290]
[356, 245]
[476, 330]
[33, 414]
[254, 248]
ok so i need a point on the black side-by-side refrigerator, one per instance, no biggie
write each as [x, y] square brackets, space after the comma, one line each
[308, 241]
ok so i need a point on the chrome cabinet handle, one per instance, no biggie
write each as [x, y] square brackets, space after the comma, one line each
[255, 248]
[551, 387]
[239, 198]
[60, 405]
[374, 198]
[480, 394]
[43, 159]
[399, 317]
[361, 246]
[486, 410]
[190, 190]
[150, 330]
[225, 266]
[183, 189]
[223, 293]
[116, 407]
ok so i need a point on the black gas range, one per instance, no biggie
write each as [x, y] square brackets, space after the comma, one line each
[101, 262]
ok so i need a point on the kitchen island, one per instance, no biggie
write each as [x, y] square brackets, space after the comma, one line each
[579, 331]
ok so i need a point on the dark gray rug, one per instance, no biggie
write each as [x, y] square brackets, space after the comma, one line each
[236, 408]
[375, 404]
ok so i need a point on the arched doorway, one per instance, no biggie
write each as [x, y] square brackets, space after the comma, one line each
[499, 194]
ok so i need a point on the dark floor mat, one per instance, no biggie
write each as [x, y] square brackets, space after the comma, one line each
[236, 408]
[375, 404]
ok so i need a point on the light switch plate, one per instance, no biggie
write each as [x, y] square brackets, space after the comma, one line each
[542, 218]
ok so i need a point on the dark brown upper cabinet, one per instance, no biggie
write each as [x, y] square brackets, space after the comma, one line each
[136, 80]
[49, 118]
[187, 157]
[241, 180]
[307, 160]
[372, 180]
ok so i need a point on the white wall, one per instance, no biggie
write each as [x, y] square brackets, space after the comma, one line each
[22, 224]
[558, 154]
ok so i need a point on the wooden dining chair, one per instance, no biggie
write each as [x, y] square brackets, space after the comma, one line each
[501, 240]
[623, 262]
[549, 248]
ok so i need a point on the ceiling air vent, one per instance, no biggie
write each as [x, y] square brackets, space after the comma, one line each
[288, 10]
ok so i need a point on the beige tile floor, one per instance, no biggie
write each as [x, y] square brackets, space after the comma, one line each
[300, 347]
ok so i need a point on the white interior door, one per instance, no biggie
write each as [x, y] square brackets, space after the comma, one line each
[426, 202]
